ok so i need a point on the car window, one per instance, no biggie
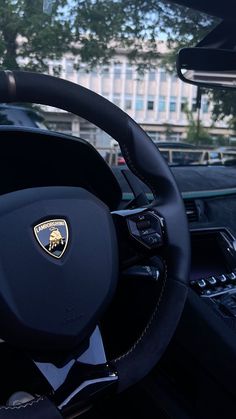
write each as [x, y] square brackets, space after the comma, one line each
[124, 51]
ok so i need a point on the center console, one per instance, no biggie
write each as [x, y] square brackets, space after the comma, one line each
[201, 361]
[213, 269]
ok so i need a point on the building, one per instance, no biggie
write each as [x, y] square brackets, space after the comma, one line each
[155, 99]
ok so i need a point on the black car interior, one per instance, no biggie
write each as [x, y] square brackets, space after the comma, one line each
[162, 321]
[51, 308]
[195, 378]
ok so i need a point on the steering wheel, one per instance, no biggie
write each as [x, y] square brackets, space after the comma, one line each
[66, 264]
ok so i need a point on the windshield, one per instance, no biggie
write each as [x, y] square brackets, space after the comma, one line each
[124, 51]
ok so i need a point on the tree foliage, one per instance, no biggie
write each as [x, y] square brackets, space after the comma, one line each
[28, 37]
[196, 133]
[139, 26]
[94, 30]
[224, 106]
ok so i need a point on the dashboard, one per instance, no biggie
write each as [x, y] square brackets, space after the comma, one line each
[209, 193]
[33, 158]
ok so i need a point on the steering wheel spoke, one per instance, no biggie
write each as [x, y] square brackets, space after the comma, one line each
[69, 388]
[80, 382]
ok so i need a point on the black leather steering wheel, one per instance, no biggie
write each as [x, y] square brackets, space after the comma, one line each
[56, 300]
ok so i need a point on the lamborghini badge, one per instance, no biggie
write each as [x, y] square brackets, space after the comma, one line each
[52, 236]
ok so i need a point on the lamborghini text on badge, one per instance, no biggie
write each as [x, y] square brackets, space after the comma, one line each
[52, 236]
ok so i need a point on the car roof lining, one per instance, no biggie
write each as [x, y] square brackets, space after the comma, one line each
[223, 36]
[222, 9]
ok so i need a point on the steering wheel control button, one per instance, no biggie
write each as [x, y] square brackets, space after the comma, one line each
[52, 235]
[146, 228]
[143, 225]
[142, 272]
[152, 239]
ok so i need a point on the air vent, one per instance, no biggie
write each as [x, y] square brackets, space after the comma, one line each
[191, 210]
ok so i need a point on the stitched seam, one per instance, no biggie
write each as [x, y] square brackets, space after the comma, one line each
[141, 337]
[134, 170]
[23, 405]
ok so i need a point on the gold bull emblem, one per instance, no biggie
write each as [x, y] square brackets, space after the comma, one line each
[55, 238]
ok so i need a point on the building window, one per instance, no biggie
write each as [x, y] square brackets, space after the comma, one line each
[105, 93]
[176, 136]
[60, 126]
[194, 105]
[162, 104]
[150, 103]
[184, 103]
[82, 71]
[173, 104]
[129, 73]
[69, 67]
[139, 103]
[152, 75]
[128, 103]
[116, 100]
[154, 135]
[205, 105]
[56, 67]
[117, 71]
[174, 78]
[163, 75]
[105, 72]
[94, 72]
[140, 76]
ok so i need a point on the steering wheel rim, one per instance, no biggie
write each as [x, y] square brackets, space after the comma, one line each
[145, 161]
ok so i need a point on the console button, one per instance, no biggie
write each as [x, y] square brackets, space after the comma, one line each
[231, 276]
[211, 280]
[206, 292]
[199, 286]
[222, 278]
[229, 286]
[201, 283]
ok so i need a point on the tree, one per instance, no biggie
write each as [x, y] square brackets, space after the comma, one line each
[138, 26]
[168, 131]
[196, 132]
[224, 106]
[94, 30]
[222, 140]
[28, 37]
